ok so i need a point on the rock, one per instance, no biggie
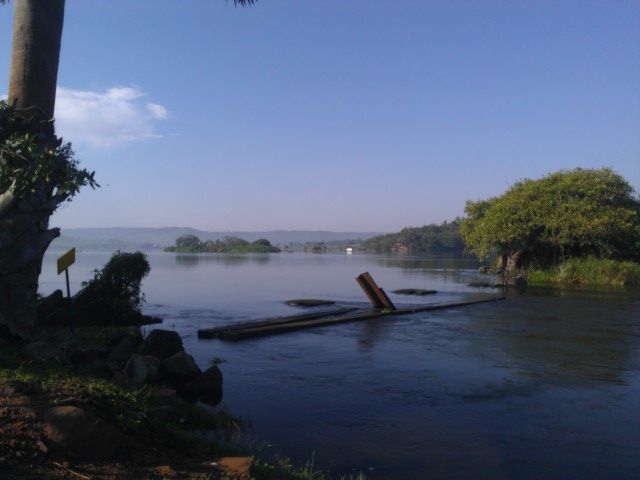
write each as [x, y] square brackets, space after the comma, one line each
[206, 387]
[483, 269]
[480, 284]
[89, 308]
[41, 350]
[142, 369]
[83, 355]
[121, 352]
[80, 433]
[162, 396]
[179, 368]
[162, 343]
[115, 336]
[518, 281]
[414, 291]
[52, 310]
[236, 468]
[308, 302]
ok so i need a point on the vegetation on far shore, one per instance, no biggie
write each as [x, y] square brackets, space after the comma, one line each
[443, 239]
[192, 244]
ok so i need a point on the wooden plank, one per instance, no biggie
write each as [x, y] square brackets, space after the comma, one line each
[376, 295]
[66, 260]
[217, 331]
[258, 331]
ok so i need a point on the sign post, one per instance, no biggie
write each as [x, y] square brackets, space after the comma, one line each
[64, 262]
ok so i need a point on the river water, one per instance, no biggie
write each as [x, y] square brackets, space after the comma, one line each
[543, 385]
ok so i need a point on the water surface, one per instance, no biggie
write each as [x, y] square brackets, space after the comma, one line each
[543, 385]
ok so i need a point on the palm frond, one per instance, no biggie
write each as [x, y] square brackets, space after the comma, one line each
[242, 3]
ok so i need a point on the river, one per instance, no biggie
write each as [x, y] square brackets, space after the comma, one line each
[543, 385]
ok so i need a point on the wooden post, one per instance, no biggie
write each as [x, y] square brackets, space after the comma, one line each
[376, 295]
[64, 262]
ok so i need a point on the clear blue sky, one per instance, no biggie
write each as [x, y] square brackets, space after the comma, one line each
[332, 114]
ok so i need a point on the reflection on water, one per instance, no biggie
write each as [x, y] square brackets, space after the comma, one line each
[542, 385]
[227, 259]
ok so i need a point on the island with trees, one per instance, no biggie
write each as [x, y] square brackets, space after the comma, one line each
[192, 244]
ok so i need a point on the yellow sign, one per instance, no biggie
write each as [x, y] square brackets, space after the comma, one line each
[66, 260]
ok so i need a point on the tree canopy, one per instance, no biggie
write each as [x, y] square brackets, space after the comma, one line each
[566, 214]
[443, 239]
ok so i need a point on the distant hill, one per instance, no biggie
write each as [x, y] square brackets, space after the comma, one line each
[123, 238]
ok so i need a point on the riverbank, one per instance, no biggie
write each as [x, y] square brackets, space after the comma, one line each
[588, 271]
[67, 410]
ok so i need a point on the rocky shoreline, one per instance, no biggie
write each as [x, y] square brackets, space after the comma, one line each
[108, 403]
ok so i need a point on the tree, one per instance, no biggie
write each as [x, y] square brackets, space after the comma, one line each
[565, 214]
[37, 172]
[188, 241]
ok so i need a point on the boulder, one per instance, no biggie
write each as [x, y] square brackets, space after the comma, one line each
[162, 343]
[415, 291]
[114, 336]
[41, 350]
[308, 302]
[52, 310]
[83, 355]
[80, 433]
[121, 352]
[142, 369]
[179, 368]
[206, 387]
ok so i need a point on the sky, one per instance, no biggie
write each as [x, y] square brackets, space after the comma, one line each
[336, 115]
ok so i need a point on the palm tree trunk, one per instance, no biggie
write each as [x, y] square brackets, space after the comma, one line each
[24, 222]
[35, 53]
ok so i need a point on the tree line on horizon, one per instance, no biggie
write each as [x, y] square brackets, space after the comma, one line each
[433, 239]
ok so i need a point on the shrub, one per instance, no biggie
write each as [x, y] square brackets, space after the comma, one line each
[117, 286]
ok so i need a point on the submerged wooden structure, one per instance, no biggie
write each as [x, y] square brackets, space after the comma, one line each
[287, 324]
[219, 332]
[383, 307]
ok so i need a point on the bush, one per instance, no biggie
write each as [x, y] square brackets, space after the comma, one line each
[116, 288]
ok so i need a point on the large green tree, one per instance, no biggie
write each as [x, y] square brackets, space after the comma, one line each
[581, 212]
[37, 171]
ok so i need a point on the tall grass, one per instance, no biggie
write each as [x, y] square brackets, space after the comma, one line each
[589, 271]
